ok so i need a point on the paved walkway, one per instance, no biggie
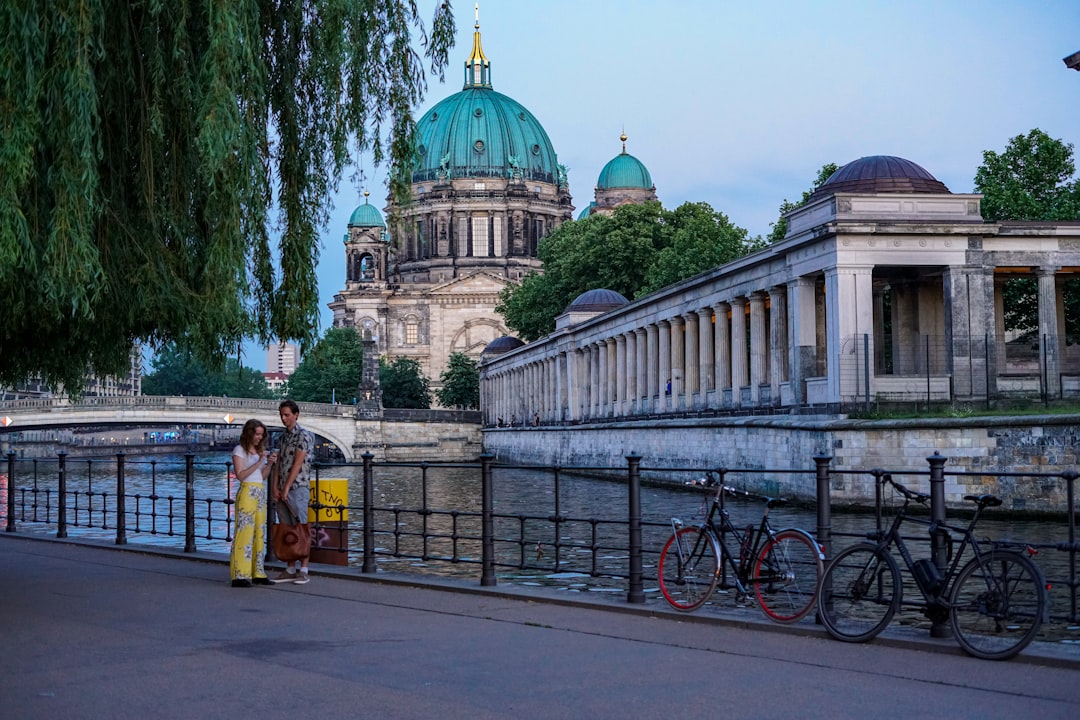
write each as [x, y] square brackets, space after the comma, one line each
[103, 632]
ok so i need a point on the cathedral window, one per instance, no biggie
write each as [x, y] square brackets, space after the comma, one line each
[480, 236]
[412, 332]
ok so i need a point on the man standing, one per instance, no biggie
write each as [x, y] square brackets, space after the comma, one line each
[292, 489]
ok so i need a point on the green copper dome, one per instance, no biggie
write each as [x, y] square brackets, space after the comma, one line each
[366, 216]
[624, 171]
[480, 133]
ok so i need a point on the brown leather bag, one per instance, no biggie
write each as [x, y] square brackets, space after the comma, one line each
[291, 542]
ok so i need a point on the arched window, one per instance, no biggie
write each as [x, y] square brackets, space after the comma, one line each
[367, 268]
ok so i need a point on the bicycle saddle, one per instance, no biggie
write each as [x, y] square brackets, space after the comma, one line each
[984, 500]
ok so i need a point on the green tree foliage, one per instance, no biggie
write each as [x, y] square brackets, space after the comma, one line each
[1032, 179]
[144, 144]
[460, 383]
[403, 384]
[779, 228]
[701, 240]
[331, 371]
[179, 372]
[638, 249]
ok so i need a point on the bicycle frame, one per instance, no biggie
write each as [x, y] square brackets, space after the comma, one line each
[936, 598]
[749, 542]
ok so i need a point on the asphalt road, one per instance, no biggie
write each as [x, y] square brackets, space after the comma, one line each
[91, 632]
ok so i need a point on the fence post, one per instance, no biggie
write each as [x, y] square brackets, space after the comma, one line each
[487, 524]
[121, 501]
[189, 503]
[61, 490]
[938, 550]
[824, 505]
[637, 592]
[369, 514]
[10, 491]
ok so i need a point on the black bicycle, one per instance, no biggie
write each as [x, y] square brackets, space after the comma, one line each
[780, 568]
[995, 603]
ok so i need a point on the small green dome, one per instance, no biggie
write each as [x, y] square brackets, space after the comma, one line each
[586, 211]
[624, 171]
[366, 216]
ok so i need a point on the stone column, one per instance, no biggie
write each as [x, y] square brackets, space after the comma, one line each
[778, 342]
[1050, 335]
[664, 338]
[610, 358]
[722, 354]
[573, 388]
[678, 358]
[619, 407]
[848, 318]
[739, 352]
[652, 369]
[694, 395]
[801, 331]
[641, 370]
[759, 346]
[602, 379]
[630, 372]
[705, 355]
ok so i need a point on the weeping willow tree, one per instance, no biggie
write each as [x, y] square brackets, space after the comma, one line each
[151, 149]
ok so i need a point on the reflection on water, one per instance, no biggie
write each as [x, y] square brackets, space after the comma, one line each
[569, 534]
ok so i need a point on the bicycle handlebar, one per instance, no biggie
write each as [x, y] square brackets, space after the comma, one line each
[909, 494]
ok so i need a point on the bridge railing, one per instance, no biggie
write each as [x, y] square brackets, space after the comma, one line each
[569, 527]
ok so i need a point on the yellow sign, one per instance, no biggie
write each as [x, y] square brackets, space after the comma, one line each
[330, 493]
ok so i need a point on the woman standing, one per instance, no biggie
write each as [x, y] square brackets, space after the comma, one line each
[252, 463]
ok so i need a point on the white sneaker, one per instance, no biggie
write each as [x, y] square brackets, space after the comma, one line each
[301, 578]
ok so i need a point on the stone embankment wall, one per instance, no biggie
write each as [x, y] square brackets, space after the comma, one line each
[417, 441]
[976, 450]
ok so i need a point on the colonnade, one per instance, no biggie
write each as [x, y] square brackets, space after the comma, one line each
[727, 354]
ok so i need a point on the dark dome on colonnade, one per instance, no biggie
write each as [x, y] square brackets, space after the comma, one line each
[600, 300]
[880, 174]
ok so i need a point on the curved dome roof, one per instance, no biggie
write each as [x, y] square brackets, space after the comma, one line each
[366, 216]
[586, 211]
[599, 300]
[482, 133]
[624, 171]
[880, 174]
[502, 344]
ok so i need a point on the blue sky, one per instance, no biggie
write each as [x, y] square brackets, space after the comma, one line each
[739, 104]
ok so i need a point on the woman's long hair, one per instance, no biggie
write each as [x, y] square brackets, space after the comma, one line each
[247, 436]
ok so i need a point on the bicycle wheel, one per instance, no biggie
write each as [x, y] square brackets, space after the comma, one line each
[860, 593]
[689, 568]
[786, 575]
[998, 601]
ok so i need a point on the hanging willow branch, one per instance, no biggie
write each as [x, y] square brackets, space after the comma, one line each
[150, 150]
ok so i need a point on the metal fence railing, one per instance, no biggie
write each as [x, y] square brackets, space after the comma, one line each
[517, 523]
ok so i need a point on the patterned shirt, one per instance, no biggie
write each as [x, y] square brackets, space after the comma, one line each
[292, 441]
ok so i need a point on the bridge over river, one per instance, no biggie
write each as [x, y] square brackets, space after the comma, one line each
[389, 434]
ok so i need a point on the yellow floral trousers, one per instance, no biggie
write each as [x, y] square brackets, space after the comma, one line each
[249, 537]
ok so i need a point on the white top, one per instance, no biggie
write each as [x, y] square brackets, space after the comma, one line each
[246, 460]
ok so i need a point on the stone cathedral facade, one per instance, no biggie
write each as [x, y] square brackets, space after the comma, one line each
[487, 188]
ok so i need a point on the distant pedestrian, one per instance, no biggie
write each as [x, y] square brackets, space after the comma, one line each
[536, 419]
[251, 462]
[292, 488]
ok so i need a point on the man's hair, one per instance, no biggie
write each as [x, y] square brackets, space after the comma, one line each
[291, 404]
